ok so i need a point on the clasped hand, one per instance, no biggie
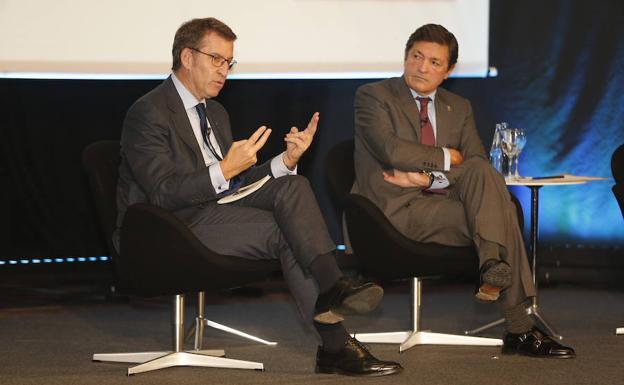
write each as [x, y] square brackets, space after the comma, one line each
[406, 179]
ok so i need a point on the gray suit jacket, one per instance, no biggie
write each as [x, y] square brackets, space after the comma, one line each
[387, 136]
[161, 162]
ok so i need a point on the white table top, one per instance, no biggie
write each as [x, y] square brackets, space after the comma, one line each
[563, 179]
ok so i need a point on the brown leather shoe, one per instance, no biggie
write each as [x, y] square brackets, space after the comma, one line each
[535, 343]
[354, 360]
[494, 277]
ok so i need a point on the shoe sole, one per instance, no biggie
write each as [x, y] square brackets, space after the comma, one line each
[328, 318]
[488, 293]
[363, 301]
[331, 370]
[495, 280]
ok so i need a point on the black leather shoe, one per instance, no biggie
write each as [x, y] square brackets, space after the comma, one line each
[346, 296]
[354, 360]
[535, 343]
[494, 277]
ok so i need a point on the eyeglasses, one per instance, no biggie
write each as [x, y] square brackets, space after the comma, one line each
[217, 60]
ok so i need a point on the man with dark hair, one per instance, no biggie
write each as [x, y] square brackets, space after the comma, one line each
[419, 157]
[178, 153]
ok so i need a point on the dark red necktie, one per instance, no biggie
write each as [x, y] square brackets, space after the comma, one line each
[426, 129]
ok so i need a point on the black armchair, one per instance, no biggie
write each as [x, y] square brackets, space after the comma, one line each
[160, 256]
[617, 169]
[385, 253]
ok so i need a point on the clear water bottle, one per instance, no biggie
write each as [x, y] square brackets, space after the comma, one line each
[505, 159]
[496, 151]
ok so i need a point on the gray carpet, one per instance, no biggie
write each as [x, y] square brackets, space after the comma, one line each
[52, 342]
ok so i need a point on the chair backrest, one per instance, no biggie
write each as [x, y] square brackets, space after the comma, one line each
[617, 169]
[159, 254]
[340, 169]
[101, 161]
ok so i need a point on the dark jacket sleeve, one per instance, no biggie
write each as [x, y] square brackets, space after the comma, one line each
[160, 163]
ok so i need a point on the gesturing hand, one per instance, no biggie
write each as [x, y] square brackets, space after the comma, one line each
[407, 179]
[297, 142]
[242, 154]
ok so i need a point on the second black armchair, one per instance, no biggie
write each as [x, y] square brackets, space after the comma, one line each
[385, 253]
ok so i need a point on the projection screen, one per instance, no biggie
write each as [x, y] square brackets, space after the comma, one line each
[276, 38]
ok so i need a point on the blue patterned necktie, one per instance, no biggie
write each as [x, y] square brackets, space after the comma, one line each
[205, 129]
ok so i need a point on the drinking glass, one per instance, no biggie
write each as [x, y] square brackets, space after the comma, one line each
[513, 141]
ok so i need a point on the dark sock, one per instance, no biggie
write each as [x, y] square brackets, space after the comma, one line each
[488, 250]
[325, 271]
[517, 319]
[333, 336]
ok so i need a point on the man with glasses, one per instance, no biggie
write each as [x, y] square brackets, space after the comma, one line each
[419, 157]
[178, 153]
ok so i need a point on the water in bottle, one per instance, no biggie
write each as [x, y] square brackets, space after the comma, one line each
[496, 151]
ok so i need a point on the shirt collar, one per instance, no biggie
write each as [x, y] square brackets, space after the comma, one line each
[187, 97]
[431, 95]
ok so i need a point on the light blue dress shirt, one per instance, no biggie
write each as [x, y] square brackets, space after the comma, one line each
[220, 184]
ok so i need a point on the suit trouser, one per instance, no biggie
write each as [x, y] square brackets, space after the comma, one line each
[281, 220]
[478, 207]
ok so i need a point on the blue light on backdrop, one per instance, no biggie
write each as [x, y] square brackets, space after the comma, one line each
[45, 260]
[565, 90]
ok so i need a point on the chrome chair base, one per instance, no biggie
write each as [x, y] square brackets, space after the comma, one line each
[201, 323]
[141, 357]
[149, 361]
[532, 310]
[411, 338]
[193, 359]
[160, 360]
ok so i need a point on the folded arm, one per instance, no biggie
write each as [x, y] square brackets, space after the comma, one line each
[375, 124]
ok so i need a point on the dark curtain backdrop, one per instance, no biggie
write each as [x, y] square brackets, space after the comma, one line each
[560, 67]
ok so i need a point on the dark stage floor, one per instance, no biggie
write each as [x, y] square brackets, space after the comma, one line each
[48, 337]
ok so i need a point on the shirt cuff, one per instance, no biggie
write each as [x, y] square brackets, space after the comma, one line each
[439, 181]
[218, 180]
[447, 159]
[278, 167]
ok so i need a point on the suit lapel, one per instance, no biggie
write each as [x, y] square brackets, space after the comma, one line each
[443, 117]
[407, 104]
[217, 128]
[181, 122]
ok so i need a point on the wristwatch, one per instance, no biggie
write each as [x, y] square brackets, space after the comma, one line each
[431, 178]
